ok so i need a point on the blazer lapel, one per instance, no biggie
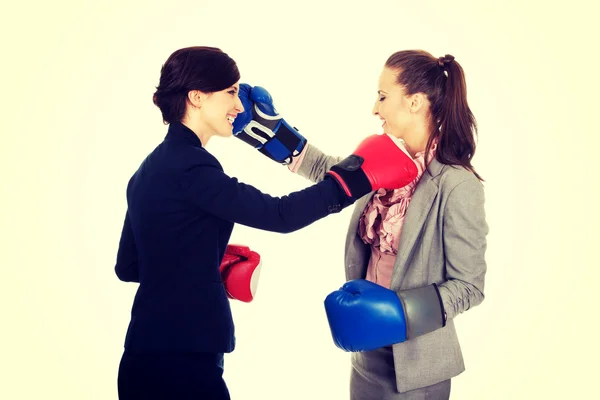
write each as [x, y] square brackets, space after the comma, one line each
[414, 221]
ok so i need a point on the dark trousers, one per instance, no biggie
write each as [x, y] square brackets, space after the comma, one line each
[172, 376]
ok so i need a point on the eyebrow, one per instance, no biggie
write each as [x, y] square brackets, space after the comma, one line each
[381, 91]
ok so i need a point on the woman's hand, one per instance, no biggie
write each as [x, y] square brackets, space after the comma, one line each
[261, 126]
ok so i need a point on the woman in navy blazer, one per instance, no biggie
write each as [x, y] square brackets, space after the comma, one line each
[180, 215]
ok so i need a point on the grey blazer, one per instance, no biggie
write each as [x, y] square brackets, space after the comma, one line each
[444, 242]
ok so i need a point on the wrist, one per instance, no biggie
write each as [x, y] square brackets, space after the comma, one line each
[351, 177]
[424, 310]
[294, 166]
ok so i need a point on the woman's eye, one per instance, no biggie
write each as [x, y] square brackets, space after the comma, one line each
[231, 92]
[381, 98]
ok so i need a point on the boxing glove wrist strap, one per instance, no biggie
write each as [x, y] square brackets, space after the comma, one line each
[424, 310]
[286, 145]
[290, 137]
[351, 177]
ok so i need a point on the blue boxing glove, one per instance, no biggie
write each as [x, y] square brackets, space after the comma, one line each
[365, 316]
[261, 126]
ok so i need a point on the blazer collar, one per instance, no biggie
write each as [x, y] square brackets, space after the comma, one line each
[434, 168]
[179, 133]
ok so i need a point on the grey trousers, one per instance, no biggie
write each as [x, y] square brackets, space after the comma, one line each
[373, 378]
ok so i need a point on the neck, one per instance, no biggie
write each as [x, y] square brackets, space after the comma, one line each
[197, 127]
[416, 139]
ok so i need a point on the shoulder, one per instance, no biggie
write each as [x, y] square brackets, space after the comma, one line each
[460, 194]
[183, 157]
[459, 182]
[454, 175]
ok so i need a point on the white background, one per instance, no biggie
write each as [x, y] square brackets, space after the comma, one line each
[77, 82]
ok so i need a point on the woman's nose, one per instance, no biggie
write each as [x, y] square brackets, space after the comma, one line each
[375, 109]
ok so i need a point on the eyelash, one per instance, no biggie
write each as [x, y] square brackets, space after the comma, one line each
[231, 92]
[381, 98]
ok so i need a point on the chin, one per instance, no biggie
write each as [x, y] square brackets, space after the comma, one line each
[225, 132]
[396, 135]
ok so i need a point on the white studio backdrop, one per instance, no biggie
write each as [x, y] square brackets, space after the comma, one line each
[79, 78]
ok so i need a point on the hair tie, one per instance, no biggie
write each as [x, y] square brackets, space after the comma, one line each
[445, 60]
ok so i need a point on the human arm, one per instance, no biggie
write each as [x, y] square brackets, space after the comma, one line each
[464, 236]
[364, 316]
[313, 164]
[209, 188]
[365, 170]
[126, 266]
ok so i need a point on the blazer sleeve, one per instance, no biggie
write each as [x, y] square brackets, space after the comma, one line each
[315, 163]
[209, 188]
[126, 267]
[464, 237]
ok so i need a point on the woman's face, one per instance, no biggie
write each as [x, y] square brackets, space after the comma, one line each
[405, 117]
[392, 105]
[219, 109]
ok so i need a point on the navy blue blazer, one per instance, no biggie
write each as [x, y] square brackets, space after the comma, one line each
[181, 209]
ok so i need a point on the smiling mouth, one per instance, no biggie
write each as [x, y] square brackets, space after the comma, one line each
[230, 119]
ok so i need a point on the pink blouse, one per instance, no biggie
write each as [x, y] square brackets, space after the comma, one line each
[381, 222]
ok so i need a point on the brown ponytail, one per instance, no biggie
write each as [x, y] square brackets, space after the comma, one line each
[442, 80]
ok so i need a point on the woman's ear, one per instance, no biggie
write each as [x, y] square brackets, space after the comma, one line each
[417, 103]
[195, 98]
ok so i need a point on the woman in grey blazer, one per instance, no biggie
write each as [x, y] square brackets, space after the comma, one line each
[429, 233]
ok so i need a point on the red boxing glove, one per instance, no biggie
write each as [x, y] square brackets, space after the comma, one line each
[379, 162]
[240, 270]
